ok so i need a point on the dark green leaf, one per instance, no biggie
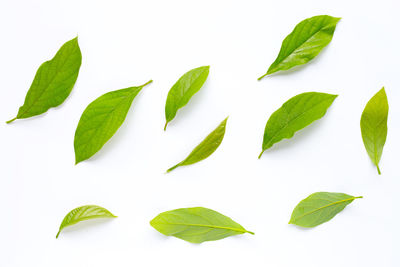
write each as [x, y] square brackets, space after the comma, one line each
[319, 208]
[374, 126]
[294, 115]
[196, 225]
[206, 147]
[180, 94]
[304, 43]
[53, 81]
[101, 119]
[82, 214]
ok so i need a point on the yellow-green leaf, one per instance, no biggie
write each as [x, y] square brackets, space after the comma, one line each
[82, 214]
[374, 126]
[196, 225]
[319, 208]
[205, 148]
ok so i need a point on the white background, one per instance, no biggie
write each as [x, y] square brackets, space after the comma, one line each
[126, 43]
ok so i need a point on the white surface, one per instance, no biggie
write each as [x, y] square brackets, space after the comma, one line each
[126, 43]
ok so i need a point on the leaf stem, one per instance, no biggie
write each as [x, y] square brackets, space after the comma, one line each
[261, 154]
[10, 121]
[262, 76]
[165, 126]
[146, 83]
[173, 168]
[379, 171]
[58, 233]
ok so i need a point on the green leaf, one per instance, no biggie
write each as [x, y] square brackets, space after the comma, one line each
[101, 119]
[53, 81]
[294, 115]
[205, 148]
[374, 126]
[180, 94]
[82, 214]
[319, 208]
[196, 225]
[304, 43]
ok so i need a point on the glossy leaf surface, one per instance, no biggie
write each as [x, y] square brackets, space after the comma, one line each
[82, 214]
[196, 225]
[101, 119]
[53, 81]
[205, 148]
[294, 115]
[319, 208]
[374, 126]
[304, 43]
[181, 92]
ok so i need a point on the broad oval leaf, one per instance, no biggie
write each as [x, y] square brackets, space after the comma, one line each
[374, 126]
[294, 115]
[319, 207]
[101, 119]
[205, 148]
[196, 225]
[53, 81]
[82, 214]
[304, 43]
[180, 94]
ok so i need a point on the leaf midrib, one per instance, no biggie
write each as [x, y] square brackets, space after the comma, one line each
[213, 226]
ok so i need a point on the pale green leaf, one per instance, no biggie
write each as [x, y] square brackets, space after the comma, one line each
[53, 81]
[180, 94]
[374, 126]
[101, 119]
[319, 208]
[294, 115]
[196, 225]
[82, 214]
[205, 148]
[304, 43]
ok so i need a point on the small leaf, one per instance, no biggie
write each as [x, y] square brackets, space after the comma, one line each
[101, 119]
[180, 94]
[319, 208]
[196, 225]
[294, 115]
[374, 126]
[53, 81]
[205, 148]
[304, 43]
[82, 214]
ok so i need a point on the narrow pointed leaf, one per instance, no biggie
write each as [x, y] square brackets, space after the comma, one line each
[196, 225]
[101, 119]
[294, 115]
[319, 208]
[82, 214]
[205, 148]
[180, 94]
[374, 126]
[304, 43]
[53, 81]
